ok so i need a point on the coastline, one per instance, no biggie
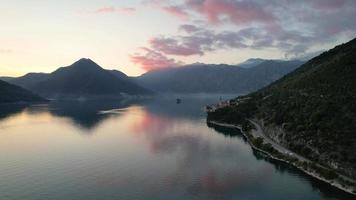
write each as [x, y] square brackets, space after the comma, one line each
[249, 137]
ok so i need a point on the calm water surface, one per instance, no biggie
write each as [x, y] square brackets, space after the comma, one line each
[152, 149]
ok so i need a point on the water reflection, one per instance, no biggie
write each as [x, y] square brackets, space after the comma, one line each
[83, 114]
[86, 114]
[10, 110]
[152, 149]
[203, 167]
[283, 168]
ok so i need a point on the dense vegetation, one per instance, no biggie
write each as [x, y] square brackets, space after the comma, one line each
[315, 106]
[13, 94]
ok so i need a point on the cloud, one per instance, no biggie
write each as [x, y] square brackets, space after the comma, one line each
[111, 9]
[175, 11]
[197, 40]
[328, 4]
[217, 11]
[171, 46]
[168, 7]
[238, 12]
[188, 28]
[153, 60]
[292, 27]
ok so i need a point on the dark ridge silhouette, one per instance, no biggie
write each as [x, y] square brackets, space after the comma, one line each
[252, 62]
[29, 80]
[83, 78]
[204, 78]
[14, 94]
[6, 78]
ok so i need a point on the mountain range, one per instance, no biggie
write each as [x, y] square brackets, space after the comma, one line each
[83, 78]
[209, 78]
[86, 78]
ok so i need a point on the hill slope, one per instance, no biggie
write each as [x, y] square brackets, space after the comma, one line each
[203, 78]
[312, 110]
[6, 78]
[29, 80]
[12, 94]
[83, 78]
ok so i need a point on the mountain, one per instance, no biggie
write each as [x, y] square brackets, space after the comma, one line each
[14, 94]
[195, 78]
[6, 78]
[120, 75]
[83, 78]
[204, 78]
[252, 62]
[311, 111]
[29, 80]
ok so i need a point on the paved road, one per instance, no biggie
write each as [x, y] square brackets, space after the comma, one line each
[258, 132]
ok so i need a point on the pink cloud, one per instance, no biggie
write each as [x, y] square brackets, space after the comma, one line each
[105, 10]
[215, 11]
[292, 27]
[172, 46]
[112, 9]
[153, 60]
[238, 12]
[176, 11]
[167, 7]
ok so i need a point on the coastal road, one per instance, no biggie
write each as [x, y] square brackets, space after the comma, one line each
[258, 132]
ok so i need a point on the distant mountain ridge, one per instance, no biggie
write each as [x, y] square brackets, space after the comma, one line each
[6, 78]
[14, 94]
[85, 78]
[209, 78]
[252, 62]
[29, 80]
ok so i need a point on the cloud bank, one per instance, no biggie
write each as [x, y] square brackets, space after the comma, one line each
[292, 27]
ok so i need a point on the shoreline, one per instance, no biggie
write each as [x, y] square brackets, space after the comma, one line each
[313, 174]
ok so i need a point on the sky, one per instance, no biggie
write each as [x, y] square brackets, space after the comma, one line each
[135, 36]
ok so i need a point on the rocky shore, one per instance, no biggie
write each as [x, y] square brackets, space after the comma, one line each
[256, 139]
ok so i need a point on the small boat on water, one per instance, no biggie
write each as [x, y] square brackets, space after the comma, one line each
[178, 101]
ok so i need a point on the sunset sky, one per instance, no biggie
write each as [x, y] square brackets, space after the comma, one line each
[135, 36]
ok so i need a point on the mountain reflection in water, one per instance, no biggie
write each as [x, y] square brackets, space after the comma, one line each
[147, 149]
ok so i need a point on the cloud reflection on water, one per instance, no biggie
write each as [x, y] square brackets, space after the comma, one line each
[206, 164]
[155, 148]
